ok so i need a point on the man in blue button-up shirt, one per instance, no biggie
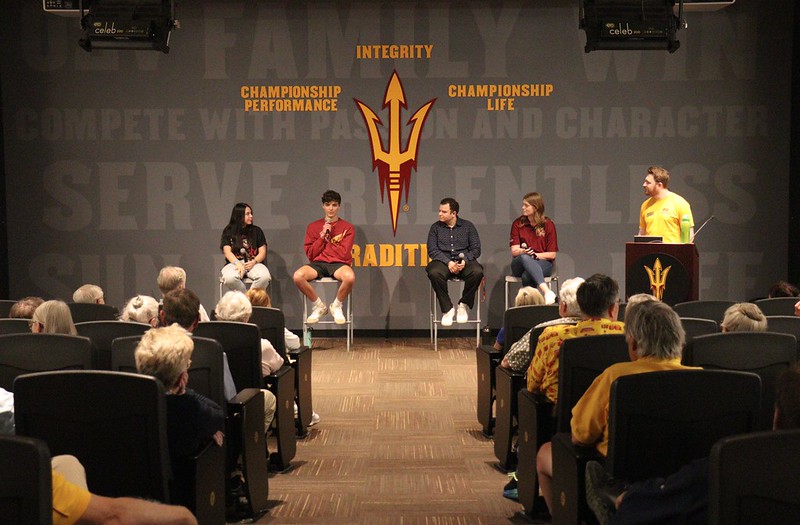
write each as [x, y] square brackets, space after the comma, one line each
[454, 248]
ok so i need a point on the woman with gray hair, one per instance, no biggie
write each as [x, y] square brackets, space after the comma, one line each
[519, 355]
[744, 317]
[52, 317]
[141, 309]
[235, 306]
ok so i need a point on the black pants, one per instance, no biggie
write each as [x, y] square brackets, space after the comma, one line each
[439, 274]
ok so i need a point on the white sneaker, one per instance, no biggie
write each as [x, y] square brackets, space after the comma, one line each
[549, 297]
[317, 313]
[447, 319]
[461, 315]
[314, 419]
[336, 311]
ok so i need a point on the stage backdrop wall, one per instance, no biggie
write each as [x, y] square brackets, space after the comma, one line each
[121, 162]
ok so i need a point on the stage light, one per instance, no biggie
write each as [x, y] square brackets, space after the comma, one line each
[127, 24]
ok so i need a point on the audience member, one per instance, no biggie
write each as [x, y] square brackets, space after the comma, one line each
[74, 504]
[598, 299]
[655, 339]
[234, 306]
[260, 297]
[24, 308]
[141, 309]
[681, 497]
[89, 293]
[172, 278]
[783, 289]
[6, 412]
[53, 317]
[519, 356]
[192, 419]
[744, 317]
[527, 296]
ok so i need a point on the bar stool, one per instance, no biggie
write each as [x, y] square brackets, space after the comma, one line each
[553, 278]
[348, 310]
[435, 317]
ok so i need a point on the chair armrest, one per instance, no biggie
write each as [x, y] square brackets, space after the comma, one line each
[243, 397]
[569, 465]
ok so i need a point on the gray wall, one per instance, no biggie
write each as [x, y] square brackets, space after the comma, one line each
[118, 163]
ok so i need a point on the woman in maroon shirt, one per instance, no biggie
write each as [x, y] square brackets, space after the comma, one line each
[534, 244]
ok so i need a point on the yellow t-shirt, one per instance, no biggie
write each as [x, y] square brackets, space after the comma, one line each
[663, 217]
[590, 413]
[69, 501]
[543, 370]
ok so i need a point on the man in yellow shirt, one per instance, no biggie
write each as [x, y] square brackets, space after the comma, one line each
[655, 340]
[662, 212]
[598, 301]
[74, 504]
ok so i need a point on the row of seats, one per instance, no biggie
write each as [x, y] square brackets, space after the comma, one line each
[535, 417]
[112, 344]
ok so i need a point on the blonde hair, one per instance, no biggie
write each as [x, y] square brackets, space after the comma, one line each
[744, 317]
[528, 295]
[88, 293]
[258, 297]
[140, 309]
[165, 353]
[171, 278]
[55, 318]
[234, 306]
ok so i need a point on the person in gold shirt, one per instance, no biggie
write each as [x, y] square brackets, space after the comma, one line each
[598, 301]
[662, 212]
[74, 504]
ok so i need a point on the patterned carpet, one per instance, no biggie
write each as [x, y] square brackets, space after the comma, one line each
[398, 442]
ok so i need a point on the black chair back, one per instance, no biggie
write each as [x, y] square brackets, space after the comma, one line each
[694, 326]
[114, 423]
[714, 310]
[271, 322]
[764, 353]
[580, 361]
[241, 343]
[82, 312]
[750, 479]
[26, 353]
[25, 481]
[5, 307]
[102, 333]
[660, 421]
[519, 319]
[15, 326]
[777, 305]
[785, 324]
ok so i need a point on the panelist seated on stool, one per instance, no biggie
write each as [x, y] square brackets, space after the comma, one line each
[328, 245]
[454, 247]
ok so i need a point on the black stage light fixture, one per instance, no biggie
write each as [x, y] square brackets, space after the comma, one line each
[631, 24]
[127, 24]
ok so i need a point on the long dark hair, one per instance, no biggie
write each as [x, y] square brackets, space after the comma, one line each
[236, 226]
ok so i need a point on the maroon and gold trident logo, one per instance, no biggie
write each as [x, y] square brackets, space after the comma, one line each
[658, 279]
[394, 165]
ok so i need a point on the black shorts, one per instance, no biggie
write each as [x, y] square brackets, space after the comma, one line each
[326, 269]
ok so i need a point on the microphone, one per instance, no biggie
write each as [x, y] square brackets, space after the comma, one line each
[244, 254]
[328, 231]
[700, 228]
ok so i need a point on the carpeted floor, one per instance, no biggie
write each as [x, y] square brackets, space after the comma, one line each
[398, 442]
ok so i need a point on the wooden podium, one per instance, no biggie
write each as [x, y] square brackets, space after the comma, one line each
[671, 269]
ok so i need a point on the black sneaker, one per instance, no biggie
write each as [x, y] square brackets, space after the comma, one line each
[600, 492]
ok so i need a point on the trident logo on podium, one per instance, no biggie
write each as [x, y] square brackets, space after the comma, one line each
[394, 165]
[658, 279]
